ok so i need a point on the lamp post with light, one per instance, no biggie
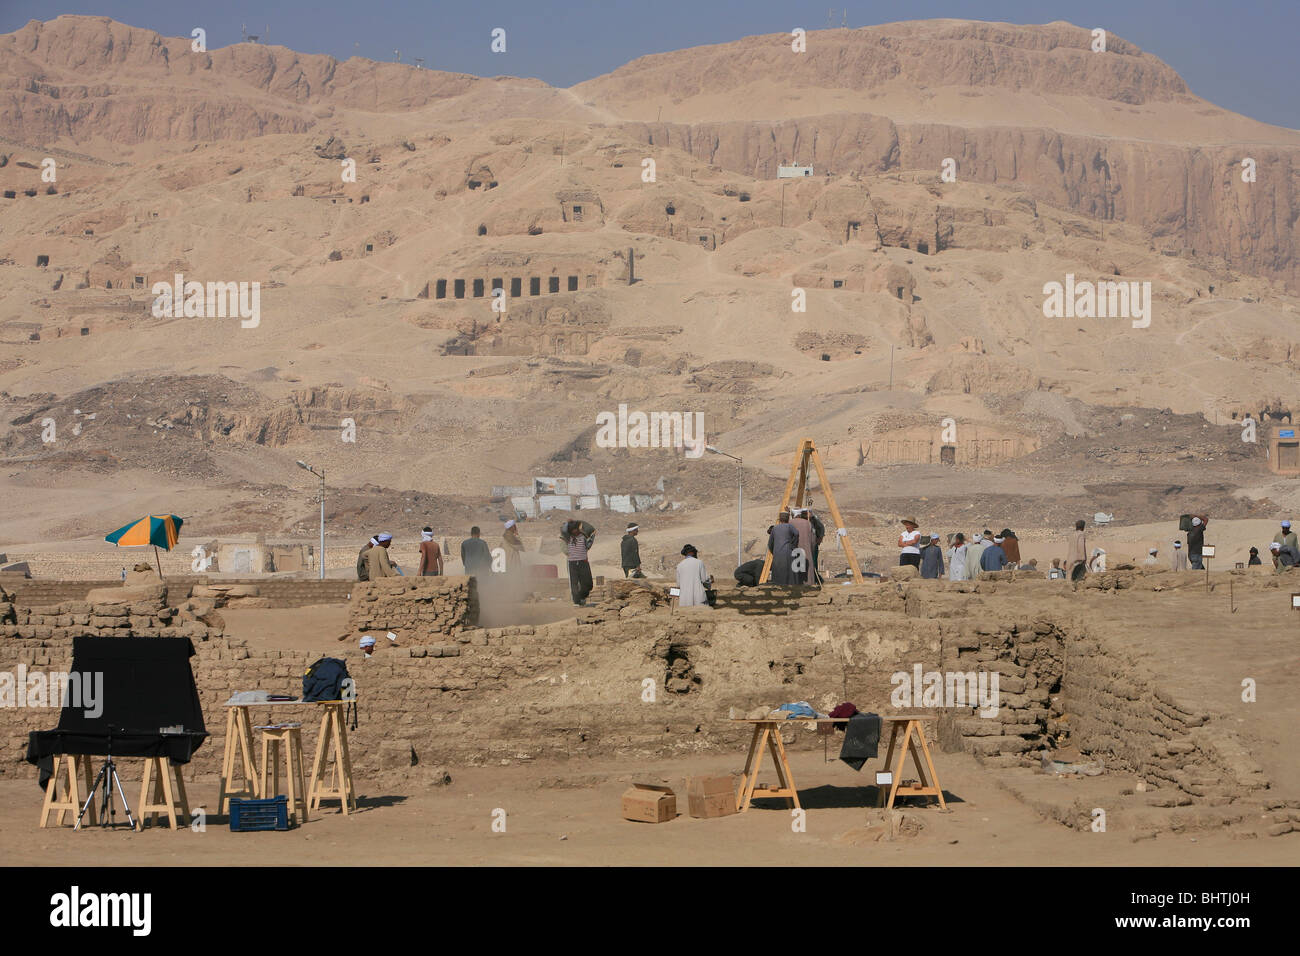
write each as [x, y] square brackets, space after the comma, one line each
[320, 558]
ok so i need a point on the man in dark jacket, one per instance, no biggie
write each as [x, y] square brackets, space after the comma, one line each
[781, 541]
[474, 553]
[631, 552]
[819, 531]
[1196, 541]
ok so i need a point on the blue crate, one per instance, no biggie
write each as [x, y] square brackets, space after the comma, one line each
[249, 815]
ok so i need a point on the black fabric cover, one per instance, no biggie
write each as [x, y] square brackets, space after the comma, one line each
[861, 740]
[147, 685]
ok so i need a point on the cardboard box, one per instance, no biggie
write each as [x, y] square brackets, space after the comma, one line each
[708, 797]
[648, 803]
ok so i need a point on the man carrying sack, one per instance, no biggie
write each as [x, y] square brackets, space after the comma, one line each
[578, 536]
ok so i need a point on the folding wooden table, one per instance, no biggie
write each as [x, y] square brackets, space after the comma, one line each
[768, 732]
[913, 734]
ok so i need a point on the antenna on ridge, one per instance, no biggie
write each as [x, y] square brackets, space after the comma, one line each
[830, 18]
[844, 20]
[419, 63]
[398, 54]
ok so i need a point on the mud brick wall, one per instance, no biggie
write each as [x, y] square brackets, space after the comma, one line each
[1028, 657]
[484, 696]
[57, 625]
[1069, 679]
[279, 592]
[455, 694]
[414, 607]
[1117, 708]
[42, 639]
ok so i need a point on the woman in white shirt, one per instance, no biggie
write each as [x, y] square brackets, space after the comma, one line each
[909, 544]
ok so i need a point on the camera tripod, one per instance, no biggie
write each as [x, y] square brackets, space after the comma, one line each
[107, 778]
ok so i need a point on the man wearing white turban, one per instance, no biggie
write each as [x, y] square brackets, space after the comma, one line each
[377, 558]
[430, 554]
[514, 547]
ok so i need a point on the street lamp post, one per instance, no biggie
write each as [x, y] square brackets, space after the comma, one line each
[740, 503]
[320, 557]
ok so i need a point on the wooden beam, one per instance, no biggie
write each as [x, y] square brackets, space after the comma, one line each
[839, 521]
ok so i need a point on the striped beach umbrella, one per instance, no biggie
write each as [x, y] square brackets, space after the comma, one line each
[161, 531]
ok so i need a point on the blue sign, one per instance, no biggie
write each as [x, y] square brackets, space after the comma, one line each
[1287, 433]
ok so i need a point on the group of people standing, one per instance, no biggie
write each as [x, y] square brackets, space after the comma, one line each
[693, 581]
[374, 563]
[965, 559]
[795, 542]
[1284, 549]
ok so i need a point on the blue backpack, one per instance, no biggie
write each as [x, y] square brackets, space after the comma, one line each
[324, 680]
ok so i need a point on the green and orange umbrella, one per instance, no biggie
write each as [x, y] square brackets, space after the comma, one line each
[161, 531]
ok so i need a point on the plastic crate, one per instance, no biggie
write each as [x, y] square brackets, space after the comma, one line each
[249, 815]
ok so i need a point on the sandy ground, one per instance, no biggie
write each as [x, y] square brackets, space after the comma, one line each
[559, 813]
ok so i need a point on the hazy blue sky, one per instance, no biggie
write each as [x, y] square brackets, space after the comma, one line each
[1239, 54]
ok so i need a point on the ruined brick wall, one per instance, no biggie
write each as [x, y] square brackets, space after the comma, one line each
[278, 592]
[41, 638]
[1073, 680]
[417, 605]
[56, 625]
[461, 695]
[1117, 707]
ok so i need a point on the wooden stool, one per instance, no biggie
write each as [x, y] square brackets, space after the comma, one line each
[288, 737]
[238, 759]
[333, 731]
[913, 734]
[163, 799]
[67, 798]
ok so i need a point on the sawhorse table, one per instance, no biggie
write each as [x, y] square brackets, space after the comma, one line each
[768, 733]
[239, 757]
[162, 792]
[67, 798]
[908, 726]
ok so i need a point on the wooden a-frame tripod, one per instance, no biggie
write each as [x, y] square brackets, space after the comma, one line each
[806, 452]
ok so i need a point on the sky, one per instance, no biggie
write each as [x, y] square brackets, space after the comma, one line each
[1238, 54]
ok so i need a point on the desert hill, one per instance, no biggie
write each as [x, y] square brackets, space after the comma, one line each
[924, 297]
